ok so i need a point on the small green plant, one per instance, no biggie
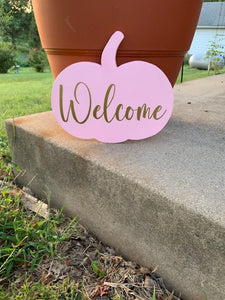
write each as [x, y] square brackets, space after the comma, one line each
[4, 153]
[154, 294]
[6, 164]
[215, 55]
[6, 59]
[96, 267]
[37, 59]
[117, 297]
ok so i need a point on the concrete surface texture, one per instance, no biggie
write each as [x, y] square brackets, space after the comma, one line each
[160, 201]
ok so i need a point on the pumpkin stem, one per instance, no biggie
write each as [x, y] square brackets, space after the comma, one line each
[108, 58]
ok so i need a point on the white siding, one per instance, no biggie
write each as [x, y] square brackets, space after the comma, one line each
[202, 39]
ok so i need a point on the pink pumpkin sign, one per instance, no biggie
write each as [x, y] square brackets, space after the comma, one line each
[109, 103]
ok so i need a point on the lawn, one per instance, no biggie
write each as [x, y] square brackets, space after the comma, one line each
[24, 93]
[191, 73]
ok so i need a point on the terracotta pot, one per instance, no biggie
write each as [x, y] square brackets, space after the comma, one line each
[159, 32]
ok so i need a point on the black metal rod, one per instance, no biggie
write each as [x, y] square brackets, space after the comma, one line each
[182, 72]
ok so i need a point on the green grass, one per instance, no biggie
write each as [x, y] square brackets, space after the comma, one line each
[24, 93]
[191, 73]
[38, 290]
[25, 238]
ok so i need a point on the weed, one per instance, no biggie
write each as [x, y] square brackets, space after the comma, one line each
[7, 167]
[215, 54]
[205, 296]
[26, 238]
[117, 297]
[154, 294]
[96, 267]
[66, 289]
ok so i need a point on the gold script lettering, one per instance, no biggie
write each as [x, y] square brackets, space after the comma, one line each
[71, 106]
[120, 113]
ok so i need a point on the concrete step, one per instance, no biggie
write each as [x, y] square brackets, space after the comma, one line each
[160, 201]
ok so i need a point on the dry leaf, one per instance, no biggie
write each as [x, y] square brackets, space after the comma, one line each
[155, 269]
[101, 290]
[171, 296]
[67, 262]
